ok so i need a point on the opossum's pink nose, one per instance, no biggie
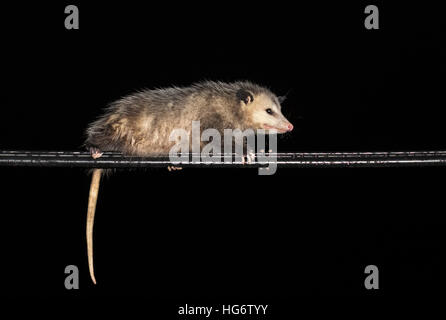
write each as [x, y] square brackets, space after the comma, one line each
[290, 127]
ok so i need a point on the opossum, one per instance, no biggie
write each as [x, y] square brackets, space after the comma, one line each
[140, 124]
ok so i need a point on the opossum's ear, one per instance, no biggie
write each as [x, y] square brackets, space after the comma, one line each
[245, 96]
[284, 97]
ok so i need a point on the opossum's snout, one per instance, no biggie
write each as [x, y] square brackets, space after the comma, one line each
[265, 112]
[284, 126]
[270, 117]
[275, 120]
[289, 127]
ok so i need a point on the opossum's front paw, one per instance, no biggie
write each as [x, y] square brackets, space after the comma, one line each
[173, 168]
[249, 157]
[95, 153]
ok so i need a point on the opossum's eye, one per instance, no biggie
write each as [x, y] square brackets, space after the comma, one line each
[269, 111]
[245, 96]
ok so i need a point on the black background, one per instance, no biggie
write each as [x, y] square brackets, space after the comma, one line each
[220, 235]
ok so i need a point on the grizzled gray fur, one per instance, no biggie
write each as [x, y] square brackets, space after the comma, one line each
[140, 124]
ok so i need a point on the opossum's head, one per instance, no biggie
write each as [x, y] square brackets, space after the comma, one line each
[263, 111]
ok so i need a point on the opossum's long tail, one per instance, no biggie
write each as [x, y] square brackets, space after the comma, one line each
[94, 189]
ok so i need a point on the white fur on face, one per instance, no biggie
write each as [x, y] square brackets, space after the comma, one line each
[262, 118]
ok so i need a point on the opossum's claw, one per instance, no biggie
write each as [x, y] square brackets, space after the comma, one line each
[250, 157]
[95, 152]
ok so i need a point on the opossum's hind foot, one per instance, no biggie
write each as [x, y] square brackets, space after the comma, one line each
[173, 168]
[95, 152]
